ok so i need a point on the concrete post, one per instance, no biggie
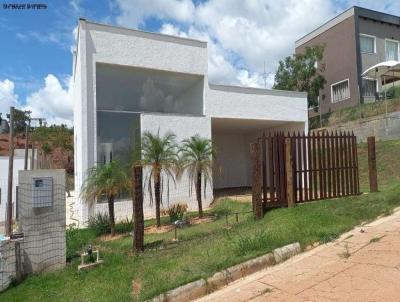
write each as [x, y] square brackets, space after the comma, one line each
[255, 149]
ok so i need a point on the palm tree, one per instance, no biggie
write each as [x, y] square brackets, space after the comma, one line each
[160, 154]
[106, 180]
[197, 158]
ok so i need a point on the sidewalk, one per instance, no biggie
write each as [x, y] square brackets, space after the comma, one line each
[362, 265]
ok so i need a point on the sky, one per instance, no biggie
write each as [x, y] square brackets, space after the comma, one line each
[243, 36]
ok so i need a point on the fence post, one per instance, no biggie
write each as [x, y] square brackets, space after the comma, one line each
[373, 181]
[289, 173]
[255, 149]
[138, 229]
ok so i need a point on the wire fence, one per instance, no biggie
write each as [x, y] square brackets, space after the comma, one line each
[38, 239]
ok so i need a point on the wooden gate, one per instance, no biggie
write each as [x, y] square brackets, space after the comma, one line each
[273, 170]
[323, 166]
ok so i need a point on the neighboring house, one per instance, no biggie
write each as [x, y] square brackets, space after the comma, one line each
[354, 41]
[128, 81]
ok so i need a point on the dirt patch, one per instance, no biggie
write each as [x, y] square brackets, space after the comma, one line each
[155, 230]
[198, 220]
[108, 237]
[170, 227]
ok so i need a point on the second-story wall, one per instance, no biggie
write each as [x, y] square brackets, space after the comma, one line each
[381, 32]
[340, 60]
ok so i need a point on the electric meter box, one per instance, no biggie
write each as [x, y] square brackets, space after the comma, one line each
[42, 192]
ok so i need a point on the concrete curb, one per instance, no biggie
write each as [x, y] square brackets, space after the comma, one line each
[199, 288]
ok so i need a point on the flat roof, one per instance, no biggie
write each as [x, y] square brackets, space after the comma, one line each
[355, 10]
[253, 90]
[150, 35]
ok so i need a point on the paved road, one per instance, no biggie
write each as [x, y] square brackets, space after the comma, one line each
[362, 265]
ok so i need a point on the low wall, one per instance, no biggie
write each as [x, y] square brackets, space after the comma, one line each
[383, 128]
[10, 252]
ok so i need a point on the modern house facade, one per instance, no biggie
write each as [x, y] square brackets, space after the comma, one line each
[127, 82]
[354, 41]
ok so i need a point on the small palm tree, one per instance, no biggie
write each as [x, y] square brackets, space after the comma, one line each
[197, 158]
[106, 180]
[160, 154]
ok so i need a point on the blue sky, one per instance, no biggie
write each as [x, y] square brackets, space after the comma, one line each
[36, 49]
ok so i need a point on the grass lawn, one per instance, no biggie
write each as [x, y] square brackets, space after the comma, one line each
[209, 247]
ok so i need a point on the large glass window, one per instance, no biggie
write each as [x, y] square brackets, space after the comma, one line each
[122, 88]
[392, 50]
[340, 91]
[369, 87]
[118, 136]
[367, 44]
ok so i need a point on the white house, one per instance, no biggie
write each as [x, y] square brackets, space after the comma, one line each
[128, 81]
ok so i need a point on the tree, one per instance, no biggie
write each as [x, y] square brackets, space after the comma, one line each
[303, 72]
[159, 153]
[108, 181]
[20, 121]
[55, 145]
[138, 216]
[197, 159]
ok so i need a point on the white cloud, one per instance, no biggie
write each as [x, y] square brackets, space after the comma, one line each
[241, 35]
[8, 97]
[52, 102]
[134, 12]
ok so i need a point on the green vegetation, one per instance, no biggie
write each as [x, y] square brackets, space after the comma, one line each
[209, 247]
[303, 72]
[197, 154]
[159, 153]
[355, 113]
[107, 181]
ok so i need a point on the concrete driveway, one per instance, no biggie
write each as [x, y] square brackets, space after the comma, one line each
[362, 265]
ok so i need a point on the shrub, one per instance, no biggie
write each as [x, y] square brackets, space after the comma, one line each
[125, 226]
[77, 240]
[176, 211]
[393, 92]
[100, 223]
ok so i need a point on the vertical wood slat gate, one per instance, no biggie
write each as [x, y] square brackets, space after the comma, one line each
[324, 166]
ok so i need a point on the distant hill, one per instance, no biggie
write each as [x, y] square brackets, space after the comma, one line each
[19, 142]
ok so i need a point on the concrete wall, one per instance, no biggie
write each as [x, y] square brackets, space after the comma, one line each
[44, 227]
[379, 126]
[10, 252]
[253, 103]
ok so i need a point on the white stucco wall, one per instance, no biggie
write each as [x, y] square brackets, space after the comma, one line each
[18, 165]
[253, 103]
[122, 46]
[183, 127]
[232, 160]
